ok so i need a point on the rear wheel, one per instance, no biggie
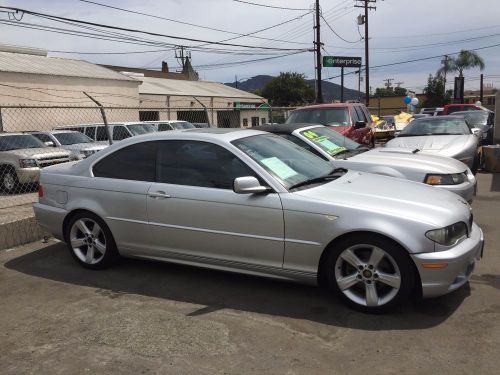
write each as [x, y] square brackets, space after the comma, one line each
[90, 241]
[8, 180]
[370, 273]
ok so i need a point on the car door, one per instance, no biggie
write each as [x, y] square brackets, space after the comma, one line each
[362, 133]
[194, 213]
[119, 192]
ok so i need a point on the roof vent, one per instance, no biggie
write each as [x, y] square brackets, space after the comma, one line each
[23, 50]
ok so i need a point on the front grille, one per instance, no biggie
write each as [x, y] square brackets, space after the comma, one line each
[45, 162]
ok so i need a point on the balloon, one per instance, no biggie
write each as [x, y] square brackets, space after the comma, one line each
[479, 103]
[414, 102]
[407, 100]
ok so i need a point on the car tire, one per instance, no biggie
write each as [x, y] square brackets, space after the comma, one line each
[383, 278]
[90, 241]
[8, 180]
[372, 141]
[475, 164]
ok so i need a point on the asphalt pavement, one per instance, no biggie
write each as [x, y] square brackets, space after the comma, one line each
[144, 317]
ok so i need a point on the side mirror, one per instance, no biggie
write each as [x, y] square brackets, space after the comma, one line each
[248, 185]
[359, 125]
[476, 131]
[49, 144]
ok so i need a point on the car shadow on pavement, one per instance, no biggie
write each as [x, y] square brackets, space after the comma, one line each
[218, 290]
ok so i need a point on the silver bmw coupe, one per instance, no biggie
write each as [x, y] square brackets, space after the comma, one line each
[252, 202]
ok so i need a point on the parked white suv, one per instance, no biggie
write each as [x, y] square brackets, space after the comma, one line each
[118, 130]
[21, 158]
[77, 143]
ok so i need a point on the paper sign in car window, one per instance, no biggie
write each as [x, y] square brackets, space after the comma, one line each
[282, 170]
[331, 147]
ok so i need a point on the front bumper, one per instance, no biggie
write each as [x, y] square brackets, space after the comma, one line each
[466, 190]
[28, 175]
[460, 262]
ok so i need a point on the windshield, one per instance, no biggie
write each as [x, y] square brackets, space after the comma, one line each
[72, 138]
[182, 125]
[18, 142]
[288, 163]
[138, 129]
[441, 126]
[476, 119]
[329, 140]
[337, 116]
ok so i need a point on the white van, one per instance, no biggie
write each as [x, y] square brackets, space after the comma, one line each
[118, 130]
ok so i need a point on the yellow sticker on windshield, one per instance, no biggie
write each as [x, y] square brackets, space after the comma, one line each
[279, 168]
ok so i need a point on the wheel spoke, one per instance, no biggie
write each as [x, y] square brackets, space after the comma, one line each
[96, 230]
[89, 257]
[100, 247]
[388, 279]
[371, 295]
[376, 256]
[351, 258]
[77, 242]
[83, 228]
[347, 281]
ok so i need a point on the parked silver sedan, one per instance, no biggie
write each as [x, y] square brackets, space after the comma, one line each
[443, 135]
[439, 171]
[252, 202]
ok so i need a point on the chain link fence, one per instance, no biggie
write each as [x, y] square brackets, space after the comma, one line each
[32, 138]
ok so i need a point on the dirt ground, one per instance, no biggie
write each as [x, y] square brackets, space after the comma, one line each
[144, 317]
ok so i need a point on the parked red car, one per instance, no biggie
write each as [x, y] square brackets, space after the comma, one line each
[350, 119]
[451, 108]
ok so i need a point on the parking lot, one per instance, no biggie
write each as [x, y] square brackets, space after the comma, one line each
[147, 317]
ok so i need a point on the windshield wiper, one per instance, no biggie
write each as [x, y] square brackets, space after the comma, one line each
[332, 175]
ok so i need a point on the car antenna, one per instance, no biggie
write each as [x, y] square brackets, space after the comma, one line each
[415, 151]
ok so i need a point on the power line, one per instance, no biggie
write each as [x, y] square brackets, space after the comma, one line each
[58, 18]
[240, 35]
[333, 31]
[267, 6]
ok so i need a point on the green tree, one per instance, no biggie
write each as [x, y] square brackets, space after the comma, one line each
[288, 89]
[390, 91]
[464, 61]
[435, 92]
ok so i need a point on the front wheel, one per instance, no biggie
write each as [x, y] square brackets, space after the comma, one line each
[90, 241]
[370, 273]
[8, 181]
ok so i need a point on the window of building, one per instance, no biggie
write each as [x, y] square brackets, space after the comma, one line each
[255, 121]
[201, 164]
[149, 116]
[263, 120]
[136, 162]
[245, 122]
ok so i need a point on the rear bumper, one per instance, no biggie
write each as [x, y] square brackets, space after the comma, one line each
[460, 261]
[51, 219]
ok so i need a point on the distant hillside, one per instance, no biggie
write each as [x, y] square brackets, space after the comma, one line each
[331, 91]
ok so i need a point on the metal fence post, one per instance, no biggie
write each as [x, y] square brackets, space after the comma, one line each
[104, 119]
[206, 111]
[1, 121]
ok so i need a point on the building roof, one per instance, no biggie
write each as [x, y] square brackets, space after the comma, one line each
[173, 87]
[22, 62]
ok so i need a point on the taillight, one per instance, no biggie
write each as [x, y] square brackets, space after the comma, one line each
[40, 191]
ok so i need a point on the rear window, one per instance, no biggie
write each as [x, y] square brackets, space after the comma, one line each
[334, 116]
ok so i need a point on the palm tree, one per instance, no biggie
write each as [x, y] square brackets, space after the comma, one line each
[465, 60]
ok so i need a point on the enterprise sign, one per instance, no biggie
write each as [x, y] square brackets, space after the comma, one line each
[341, 62]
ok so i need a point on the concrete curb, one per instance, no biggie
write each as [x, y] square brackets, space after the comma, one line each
[20, 232]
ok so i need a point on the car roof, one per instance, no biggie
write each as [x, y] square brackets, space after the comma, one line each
[283, 128]
[330, 105]
[474, 111]
[7, 134]
[437, 118]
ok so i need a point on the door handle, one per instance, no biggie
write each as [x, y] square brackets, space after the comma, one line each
[159, 195]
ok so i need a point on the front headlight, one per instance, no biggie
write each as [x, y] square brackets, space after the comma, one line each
[27, 163]
[444, 179]
[450, 235]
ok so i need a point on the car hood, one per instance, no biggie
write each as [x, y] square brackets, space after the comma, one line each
[43, 152]
[405, 159]
[391, 196]
[448, 145]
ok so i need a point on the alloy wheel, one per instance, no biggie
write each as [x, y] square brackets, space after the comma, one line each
[88, 241]
[8, 181]
[367, 275]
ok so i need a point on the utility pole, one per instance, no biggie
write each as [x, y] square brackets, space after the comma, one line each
[398, 84]
[317, 47]
[445, 71]
[388, 80]
[481, 93]
[235, 81]
[365, 4]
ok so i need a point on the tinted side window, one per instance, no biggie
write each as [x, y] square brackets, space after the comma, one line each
[198, 164]
[355, 116]
[367, 113]
[134, 162]
[90, 132]
[119, 133]
[301, 143]
[101, 134]
[361, 114]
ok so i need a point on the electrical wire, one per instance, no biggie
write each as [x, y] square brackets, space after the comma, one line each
[333, 31]
[267, 6]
